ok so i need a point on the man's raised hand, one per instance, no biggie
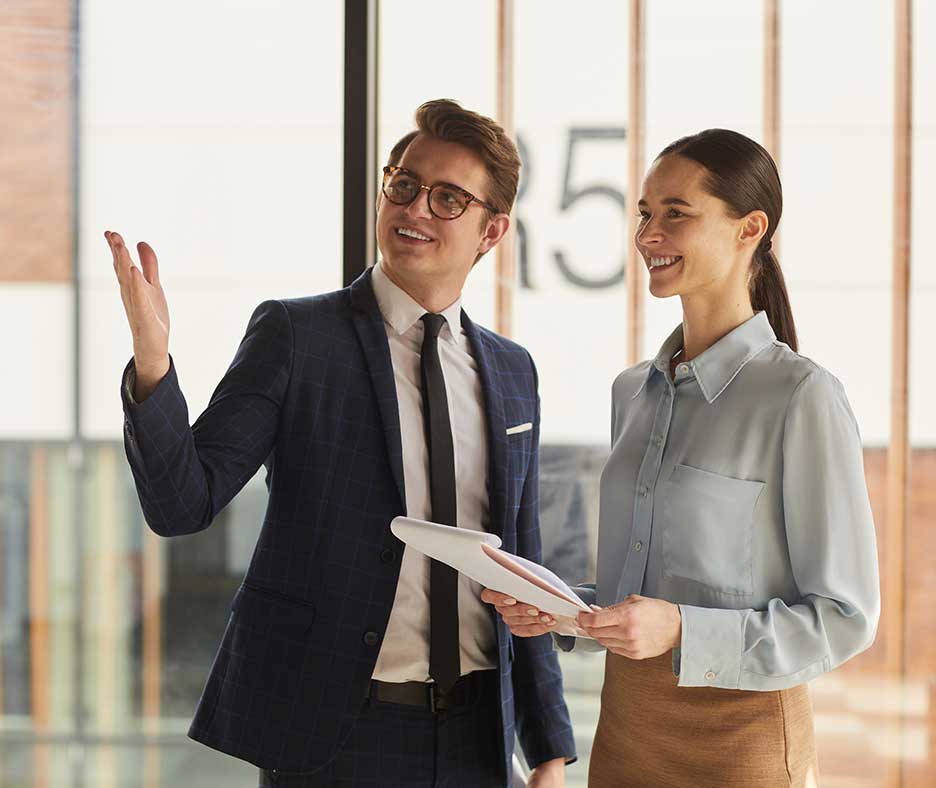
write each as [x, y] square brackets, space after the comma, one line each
[147, 312]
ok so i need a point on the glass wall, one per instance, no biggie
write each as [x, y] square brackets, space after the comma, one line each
[213, 131]
[569, 307]
[417, 63]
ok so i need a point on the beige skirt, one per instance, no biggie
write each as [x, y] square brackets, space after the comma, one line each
[653, 734]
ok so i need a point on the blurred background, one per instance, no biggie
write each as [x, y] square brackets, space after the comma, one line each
[243, 140]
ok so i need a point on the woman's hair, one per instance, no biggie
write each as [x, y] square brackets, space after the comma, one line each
[744, 176]
[446, 120]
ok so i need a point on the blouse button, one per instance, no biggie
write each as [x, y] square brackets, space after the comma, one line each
[710, 676]
[683, 369]
[642, 492]
[638, 546]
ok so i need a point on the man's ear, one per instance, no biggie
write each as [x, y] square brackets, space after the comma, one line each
[494, 230]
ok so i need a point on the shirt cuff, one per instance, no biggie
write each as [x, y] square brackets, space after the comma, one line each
[711, 647]
[129, 383]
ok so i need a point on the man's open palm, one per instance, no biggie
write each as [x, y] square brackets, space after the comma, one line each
[144, 302]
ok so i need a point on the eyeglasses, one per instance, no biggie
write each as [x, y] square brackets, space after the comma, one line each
[446, 201]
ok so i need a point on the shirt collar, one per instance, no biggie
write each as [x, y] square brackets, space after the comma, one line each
[718, 365]
[401, 311]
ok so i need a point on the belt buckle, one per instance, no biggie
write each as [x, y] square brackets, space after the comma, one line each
[437, 698]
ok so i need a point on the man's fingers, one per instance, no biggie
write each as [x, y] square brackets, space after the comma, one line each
[522, 618]
[513, 617]
[139, 299]
[497, 598]
[110, 245]
[122, 260]
[122, 278]
[529, 630]
[148, 262]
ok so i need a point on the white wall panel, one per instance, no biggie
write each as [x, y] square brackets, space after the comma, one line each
[213, 132]
[37, 366]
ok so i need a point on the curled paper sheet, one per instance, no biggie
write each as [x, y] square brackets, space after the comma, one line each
[477, 555]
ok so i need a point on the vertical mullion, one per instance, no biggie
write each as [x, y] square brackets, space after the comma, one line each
[77, 452]
[152, 612]
[772, 86]
[772, 78]
[635, 165]
[359, 248]
[898, 453]
[505, 252]
[39, 584]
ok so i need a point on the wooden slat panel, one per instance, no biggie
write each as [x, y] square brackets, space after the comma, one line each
[772, 88]
[152, 631]
[898, 454]
[772, 78]
[39, 683]
[860, 727]
[505, 252]
[635, 171]
[898, 458]
[36, 161]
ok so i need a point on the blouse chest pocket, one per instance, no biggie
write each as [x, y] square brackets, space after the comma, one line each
[708, 523]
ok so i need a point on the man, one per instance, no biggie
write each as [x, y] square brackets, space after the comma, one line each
[349, 659]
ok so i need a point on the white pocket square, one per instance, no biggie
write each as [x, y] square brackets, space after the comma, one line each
[520, 428]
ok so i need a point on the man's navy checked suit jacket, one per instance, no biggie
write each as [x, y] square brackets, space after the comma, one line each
[311, 394]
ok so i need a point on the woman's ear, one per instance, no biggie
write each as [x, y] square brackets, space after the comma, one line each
[753, 227]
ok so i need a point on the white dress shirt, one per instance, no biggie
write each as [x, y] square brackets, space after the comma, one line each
[404, 653]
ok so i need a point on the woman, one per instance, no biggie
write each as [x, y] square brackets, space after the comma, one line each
[736, 551]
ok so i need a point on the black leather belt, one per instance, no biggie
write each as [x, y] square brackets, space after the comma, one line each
[467, 690]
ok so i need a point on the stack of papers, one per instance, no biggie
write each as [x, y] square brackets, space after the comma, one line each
[477, 554]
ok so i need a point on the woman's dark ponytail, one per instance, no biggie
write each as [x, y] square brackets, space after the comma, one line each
[769, 294]
[743, 175]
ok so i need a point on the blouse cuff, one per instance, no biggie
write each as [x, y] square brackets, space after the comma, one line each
[711, 647]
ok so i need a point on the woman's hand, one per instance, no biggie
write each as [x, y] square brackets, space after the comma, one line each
[637, 628]
[524, 620]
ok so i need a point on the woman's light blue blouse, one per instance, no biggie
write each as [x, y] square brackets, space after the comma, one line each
[737, 491]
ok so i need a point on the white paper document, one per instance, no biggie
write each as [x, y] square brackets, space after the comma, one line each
[477, 554]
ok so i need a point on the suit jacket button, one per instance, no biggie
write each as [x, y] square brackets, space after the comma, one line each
[371, 638]
[387, 556]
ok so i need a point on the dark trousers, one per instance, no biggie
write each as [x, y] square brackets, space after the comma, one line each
[412, 747]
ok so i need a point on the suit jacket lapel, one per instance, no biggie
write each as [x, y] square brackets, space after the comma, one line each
[369, 324]
[496, 426]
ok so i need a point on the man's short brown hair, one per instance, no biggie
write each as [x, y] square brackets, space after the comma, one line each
[446, 120]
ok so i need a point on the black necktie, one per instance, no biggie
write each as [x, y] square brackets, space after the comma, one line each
[444, 661]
